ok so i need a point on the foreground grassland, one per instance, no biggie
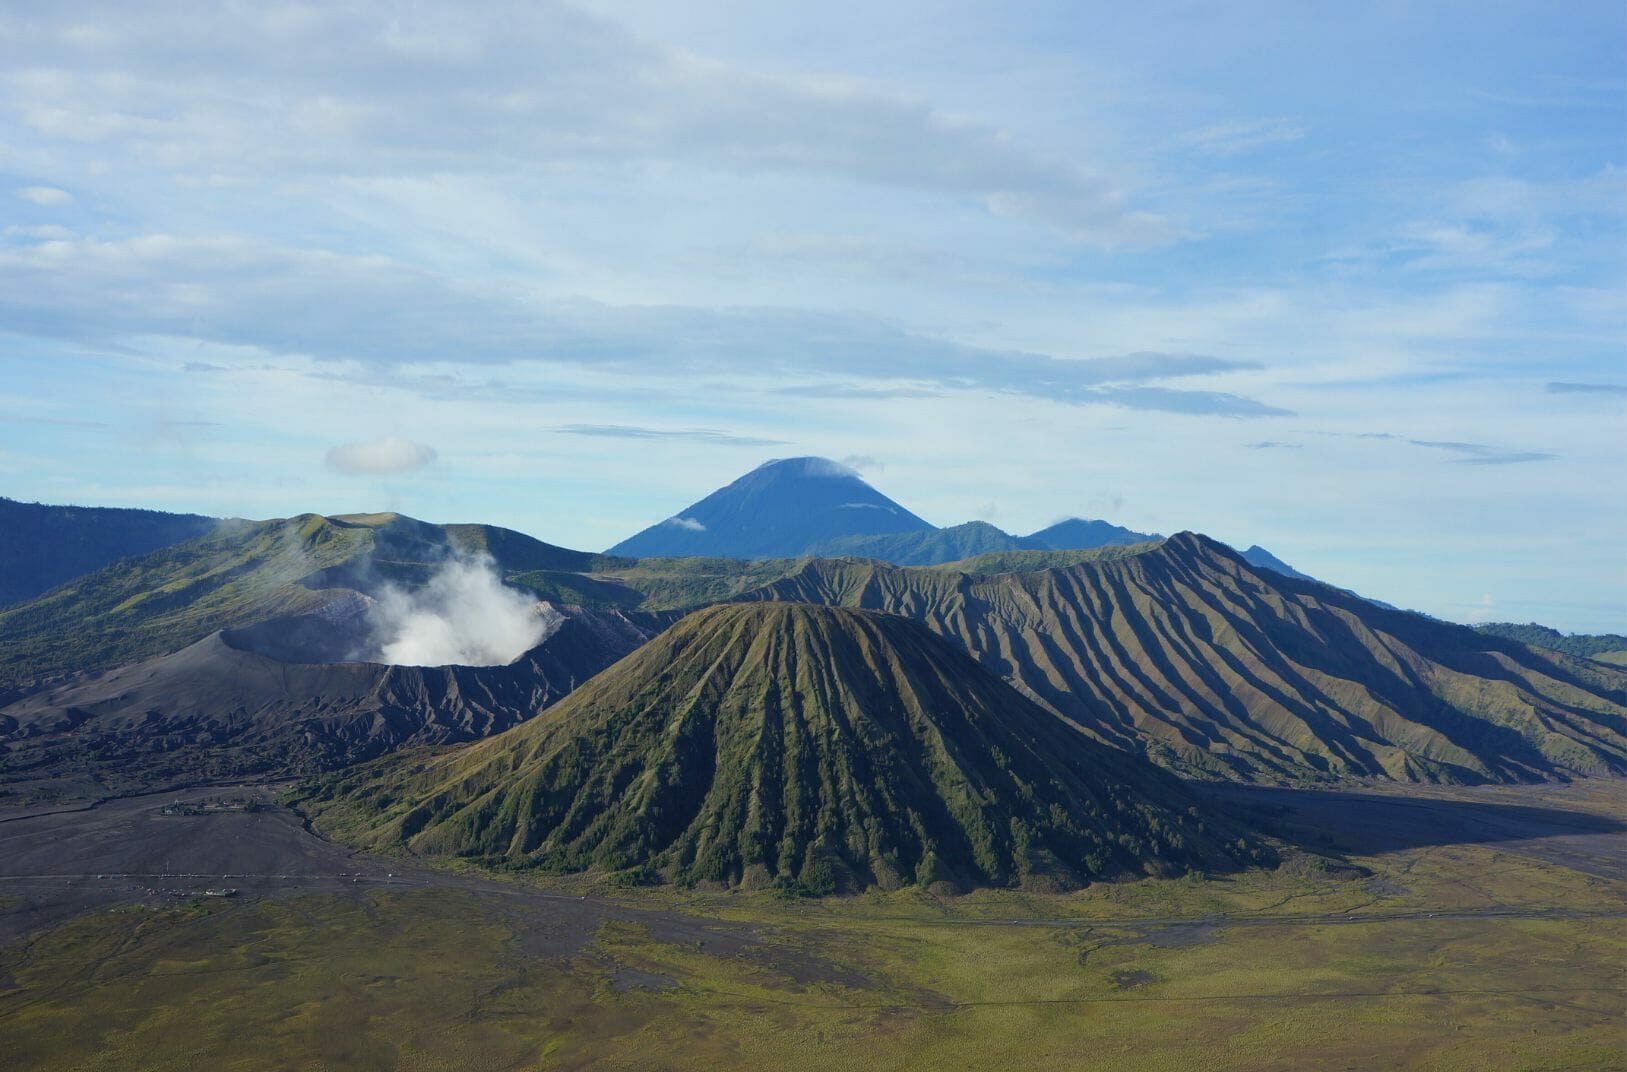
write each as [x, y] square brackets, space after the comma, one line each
[1450, 957]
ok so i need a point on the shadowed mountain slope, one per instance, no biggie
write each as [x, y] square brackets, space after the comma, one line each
[232, 704]
[777, 510]
[827, 748]
[238, 573]
[44, 546]
[1186, 653]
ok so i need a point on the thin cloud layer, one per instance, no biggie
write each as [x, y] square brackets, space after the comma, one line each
[695, 435]
[1483, 454]
[346, 307]
[1559, 387]
[237, 89]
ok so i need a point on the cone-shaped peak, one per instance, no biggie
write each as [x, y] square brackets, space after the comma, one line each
[778, 510]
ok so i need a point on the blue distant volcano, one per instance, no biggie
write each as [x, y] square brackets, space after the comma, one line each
[778, 510]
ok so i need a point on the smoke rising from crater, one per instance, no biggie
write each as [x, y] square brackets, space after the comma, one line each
[465, 615]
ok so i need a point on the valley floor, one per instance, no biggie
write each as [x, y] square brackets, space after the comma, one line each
[1408, 928]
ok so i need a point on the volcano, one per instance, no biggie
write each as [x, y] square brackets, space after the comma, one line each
[778, 510]
[827, 749]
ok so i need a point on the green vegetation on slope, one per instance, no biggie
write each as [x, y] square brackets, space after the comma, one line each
[238, 573]
[1583, 645]
[819, 748]
[1189, 655]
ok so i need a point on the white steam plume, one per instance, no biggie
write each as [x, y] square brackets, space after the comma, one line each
[464, 615]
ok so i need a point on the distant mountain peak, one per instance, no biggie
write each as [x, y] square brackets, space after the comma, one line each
[777, 510]
[808, 465]
[1082, 534]
[1259, 557]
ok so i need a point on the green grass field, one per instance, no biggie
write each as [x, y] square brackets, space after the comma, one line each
[1299, 968]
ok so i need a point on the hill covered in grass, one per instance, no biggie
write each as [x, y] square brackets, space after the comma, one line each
[1187, 654]
[816, 748]
[44, 545]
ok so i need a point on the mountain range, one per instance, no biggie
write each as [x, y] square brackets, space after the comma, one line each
[250, 647]
[1184, 652]
[1001, 711]
[795, 507]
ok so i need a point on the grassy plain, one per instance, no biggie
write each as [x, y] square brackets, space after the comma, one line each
[1454, 956]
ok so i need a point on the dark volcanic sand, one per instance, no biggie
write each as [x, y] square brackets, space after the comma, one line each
[57, 865]
[1581, 825]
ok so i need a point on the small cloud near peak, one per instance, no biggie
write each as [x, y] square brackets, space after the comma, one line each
[386, 456]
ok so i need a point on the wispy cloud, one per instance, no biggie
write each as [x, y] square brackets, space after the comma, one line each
[694, 435]
[385, 314]
[1514, 458]
[1166, 400]
[65, 422]
[1483, 454]
[1560, 387]
[855, 390]
[1241, 136]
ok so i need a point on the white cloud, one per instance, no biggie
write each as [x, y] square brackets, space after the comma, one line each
[686, 523]
[380, 457]
[47, 196]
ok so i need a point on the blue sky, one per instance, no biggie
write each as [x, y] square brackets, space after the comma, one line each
[1348, 281]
